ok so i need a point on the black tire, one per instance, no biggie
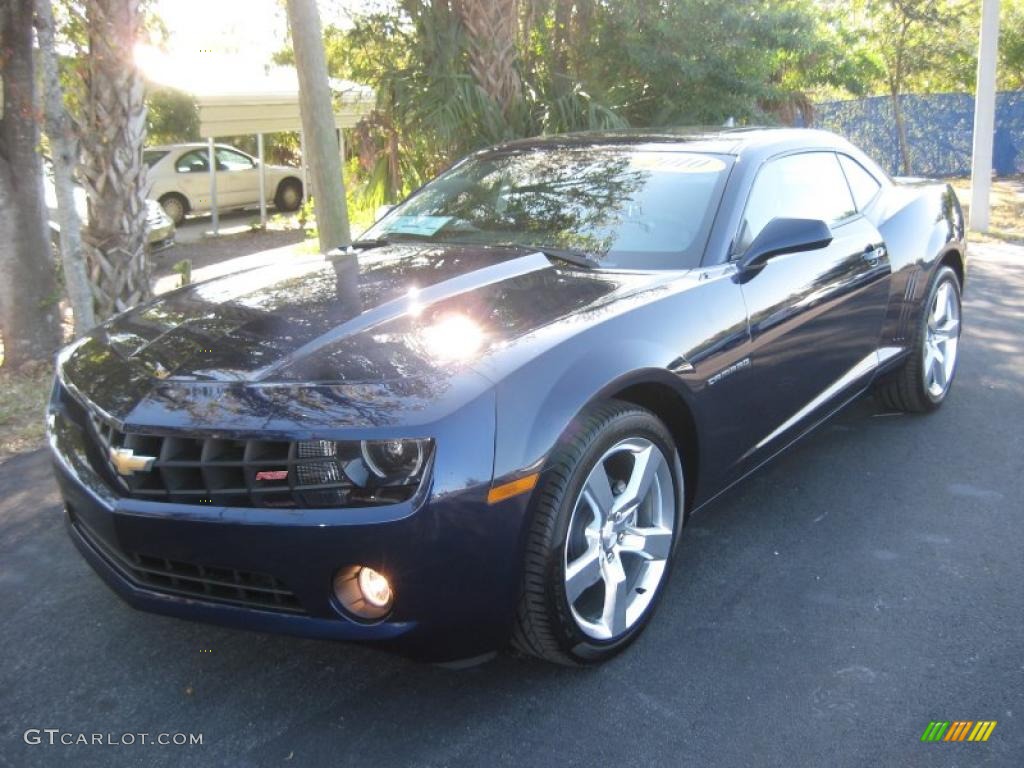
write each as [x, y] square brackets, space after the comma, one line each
[906, 388]
[175, 206]
[288, 197]
[545, 626]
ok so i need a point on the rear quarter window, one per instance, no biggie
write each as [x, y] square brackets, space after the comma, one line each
[863, 185]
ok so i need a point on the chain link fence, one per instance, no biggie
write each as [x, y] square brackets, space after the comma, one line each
[939, 130]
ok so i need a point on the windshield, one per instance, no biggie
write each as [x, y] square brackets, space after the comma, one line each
[623, 208]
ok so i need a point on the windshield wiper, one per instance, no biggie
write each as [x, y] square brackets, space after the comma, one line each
[392, 237]
[371, 242]
[572, 255]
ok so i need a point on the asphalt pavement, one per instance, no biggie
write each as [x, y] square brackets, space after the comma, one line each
[866, 583]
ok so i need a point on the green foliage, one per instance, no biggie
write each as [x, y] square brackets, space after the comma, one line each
[919, 46]
[1011, 45]
[594, 65]
[183, 268]
[584, 65]
[172, 117]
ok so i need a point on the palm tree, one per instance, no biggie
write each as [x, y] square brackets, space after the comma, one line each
[491, 46]
[112, 132]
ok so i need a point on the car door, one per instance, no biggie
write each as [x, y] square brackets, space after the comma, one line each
[192, 170]
[815, 318]
[237, 179]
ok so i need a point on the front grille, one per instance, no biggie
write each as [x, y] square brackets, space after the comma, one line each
[225, 585]
[234, 473]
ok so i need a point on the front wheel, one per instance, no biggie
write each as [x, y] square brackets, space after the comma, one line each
[925, 378]
[605, 521]
[175, 206]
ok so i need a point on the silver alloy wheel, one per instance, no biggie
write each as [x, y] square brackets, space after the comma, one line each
[942, 337]
[619, 538]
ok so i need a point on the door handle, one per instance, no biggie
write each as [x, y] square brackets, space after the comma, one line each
[874, 254]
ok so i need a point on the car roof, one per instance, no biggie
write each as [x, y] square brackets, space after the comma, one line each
[187, 145]
[725, 141]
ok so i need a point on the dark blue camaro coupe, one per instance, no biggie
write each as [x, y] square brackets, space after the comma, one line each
[490, 418]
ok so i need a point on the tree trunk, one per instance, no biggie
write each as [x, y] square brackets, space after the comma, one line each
[896, 90]
[901, 132]
[112, 134]
[29, 315]
[64, 150]
[491, 25]
[321, 141]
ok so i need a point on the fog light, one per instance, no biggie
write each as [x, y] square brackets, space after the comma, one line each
[363, 592]
[375, 587]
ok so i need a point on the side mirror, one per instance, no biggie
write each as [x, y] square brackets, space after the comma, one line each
[781, 236]
[382, 211]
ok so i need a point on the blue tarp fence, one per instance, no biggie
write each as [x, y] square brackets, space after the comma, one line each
[940, 129]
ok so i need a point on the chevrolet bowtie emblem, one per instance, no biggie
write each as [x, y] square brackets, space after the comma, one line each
[127, 463]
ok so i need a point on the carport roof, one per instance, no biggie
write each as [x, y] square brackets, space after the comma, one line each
[233, 103]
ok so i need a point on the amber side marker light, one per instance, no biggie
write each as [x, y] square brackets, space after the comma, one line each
[514, 488]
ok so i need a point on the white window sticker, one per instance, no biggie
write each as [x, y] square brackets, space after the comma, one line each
[418, 225]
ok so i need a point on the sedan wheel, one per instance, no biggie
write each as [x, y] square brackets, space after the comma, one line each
[175, 208]
[289, 195]
[604, 524]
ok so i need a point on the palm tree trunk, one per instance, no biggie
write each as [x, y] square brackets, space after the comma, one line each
[64, 152]
[112, 133]
[491, 26]
[29, 315]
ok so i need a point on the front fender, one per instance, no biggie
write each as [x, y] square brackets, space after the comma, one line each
[536, 407]
[677, 334]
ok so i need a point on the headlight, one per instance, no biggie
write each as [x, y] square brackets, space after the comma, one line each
[330, 473]
[392, 461]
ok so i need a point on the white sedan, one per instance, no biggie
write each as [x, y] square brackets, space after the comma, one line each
[179, 178]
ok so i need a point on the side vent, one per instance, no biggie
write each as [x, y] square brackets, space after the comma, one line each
[909, 304]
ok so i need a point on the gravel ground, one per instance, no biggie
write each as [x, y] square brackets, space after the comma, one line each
[238, 240]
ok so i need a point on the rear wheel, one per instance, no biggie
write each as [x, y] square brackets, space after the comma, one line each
[289, 195]
[606, 518]
[175, 206]
[926, 376]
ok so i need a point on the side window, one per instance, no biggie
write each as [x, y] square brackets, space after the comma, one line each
[805, 186]
[192, 162]
[863, 185]
[229, 160]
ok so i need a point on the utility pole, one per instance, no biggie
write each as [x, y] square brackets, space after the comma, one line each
[318, 128]
[984, 116]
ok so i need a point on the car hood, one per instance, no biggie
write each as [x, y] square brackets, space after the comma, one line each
[389, 318]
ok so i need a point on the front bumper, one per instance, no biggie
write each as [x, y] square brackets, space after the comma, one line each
[161, 238]
[453, 560]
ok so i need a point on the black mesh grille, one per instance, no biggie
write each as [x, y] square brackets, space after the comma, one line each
[260, 473]
[226, 585]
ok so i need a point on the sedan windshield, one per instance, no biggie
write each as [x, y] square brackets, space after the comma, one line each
[613, 207]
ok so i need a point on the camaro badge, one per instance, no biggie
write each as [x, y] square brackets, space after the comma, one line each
[127, 463]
